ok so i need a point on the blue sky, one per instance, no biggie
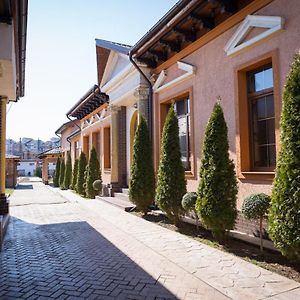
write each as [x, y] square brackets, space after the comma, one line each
[61, 55]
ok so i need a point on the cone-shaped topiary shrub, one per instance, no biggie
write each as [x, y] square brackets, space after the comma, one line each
[68, 173]
[171, 185]
[80, 175]
[217, 191]
[57, 173]
[74, 175]
[255, 207]
[62, 174]
[284, 216]
[92, 173]
[142, 179]
[38, 172]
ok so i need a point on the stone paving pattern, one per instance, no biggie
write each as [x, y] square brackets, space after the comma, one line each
[73, 248]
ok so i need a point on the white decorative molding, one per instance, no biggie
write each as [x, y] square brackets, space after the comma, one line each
[95, 119]
[160, 79]
[273, 24]
[111, 62]
[188, 68]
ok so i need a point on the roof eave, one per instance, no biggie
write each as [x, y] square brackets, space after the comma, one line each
[171, 16]
[21, 15]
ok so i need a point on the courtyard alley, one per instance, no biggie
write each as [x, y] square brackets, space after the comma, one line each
[60, 246]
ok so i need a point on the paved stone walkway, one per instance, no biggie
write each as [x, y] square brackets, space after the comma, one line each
[61, 246]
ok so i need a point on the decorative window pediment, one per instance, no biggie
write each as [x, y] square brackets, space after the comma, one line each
[239, 41]
[189, 70]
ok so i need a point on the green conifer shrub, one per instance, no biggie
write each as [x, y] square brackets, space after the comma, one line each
[57, 173]
[142, 179]
[62, 174]
[80, 175]
[255, 207]
[92, 173]
[284, 215]
[217, 190]
[68, 173]
[38, 172]
[171, 184]
[74, 175]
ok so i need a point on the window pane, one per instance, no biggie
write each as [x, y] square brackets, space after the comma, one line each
[261, 80]
[260, 108]
[183, 135]
[261, 132]
[258, 81]
[262, 157]
[272, 156]
[180, 107]
[268, 78]
[270, 106]
[271, 131]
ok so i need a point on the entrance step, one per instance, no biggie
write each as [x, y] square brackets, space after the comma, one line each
[120, 202]
[122, 196]
[125, 191]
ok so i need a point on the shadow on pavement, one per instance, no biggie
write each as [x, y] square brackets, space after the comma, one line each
[70, 259]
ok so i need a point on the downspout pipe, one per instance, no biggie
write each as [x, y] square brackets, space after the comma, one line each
[68, 138]
[150, 99]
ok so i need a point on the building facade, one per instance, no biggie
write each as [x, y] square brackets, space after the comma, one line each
[236, 52]
[239, 53]
[26, 167]
[108, 119]
[13, 27]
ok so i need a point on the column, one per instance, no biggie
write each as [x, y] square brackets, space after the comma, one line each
[114, 140]
[142, 93]
[45, 171]
[3, 200]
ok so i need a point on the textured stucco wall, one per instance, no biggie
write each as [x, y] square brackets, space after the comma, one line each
[215, 77]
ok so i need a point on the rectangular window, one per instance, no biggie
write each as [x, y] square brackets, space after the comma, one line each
[107, 148]
[182, 108]
[96, 142]
[76, 149]
[86, 146]
[261, 118]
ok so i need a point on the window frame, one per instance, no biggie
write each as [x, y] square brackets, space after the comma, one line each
[244, 147]
[163, 109]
